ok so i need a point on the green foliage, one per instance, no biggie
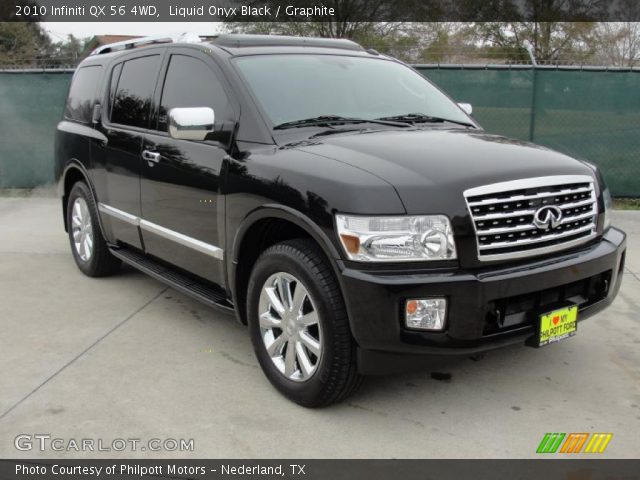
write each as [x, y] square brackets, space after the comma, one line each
[27, 45]
[550, 41]
[22, 43]
[68, 52]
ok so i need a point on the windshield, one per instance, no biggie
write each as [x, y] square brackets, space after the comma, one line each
[295, 87]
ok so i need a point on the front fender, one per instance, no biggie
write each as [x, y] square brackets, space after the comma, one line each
[289, 214]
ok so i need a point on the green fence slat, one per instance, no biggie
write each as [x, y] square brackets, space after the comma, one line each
[31, 105]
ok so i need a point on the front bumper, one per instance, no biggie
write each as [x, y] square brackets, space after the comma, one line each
[486, 309]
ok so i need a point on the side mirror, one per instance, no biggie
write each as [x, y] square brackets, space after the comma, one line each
[191, 123]
[466, 108]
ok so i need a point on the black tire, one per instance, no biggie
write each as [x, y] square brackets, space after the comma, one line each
[101, 262]
[336, 375]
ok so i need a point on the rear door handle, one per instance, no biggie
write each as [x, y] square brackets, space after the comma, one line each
[151, 157]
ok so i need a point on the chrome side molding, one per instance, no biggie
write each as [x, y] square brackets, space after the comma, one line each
[184, 240]
[119, 214]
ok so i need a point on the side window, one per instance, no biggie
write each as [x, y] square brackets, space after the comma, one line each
[191, 83]
[82, 94]
[132, 100]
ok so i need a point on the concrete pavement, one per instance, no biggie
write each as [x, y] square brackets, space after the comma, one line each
[127, 358]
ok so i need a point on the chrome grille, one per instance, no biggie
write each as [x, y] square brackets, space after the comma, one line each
[503, 215]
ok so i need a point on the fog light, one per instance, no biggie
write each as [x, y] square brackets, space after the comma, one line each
[425, 313]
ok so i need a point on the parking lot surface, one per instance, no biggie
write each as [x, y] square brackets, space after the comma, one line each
[127, 358]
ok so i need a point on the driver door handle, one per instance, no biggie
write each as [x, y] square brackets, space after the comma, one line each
[151, 157]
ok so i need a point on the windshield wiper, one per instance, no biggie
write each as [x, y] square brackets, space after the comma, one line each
[328, 120]
[422, 118]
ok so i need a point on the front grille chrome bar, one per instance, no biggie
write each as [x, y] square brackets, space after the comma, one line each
[522, 228]
[540, 239]
[517, 213]
[516, 198]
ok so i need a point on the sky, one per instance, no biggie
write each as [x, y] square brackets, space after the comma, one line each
[59, 30]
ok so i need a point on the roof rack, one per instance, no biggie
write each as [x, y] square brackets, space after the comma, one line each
[232, 40]
[139, 42]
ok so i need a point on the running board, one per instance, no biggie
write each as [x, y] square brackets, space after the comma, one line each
[209, 295]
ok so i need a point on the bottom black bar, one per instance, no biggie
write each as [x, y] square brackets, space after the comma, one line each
[547, 469]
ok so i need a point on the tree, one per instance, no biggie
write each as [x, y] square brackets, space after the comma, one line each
[618, 44]
[551, 42]
[68, 52]
[556, 30]
[446, 42]
[22, 43]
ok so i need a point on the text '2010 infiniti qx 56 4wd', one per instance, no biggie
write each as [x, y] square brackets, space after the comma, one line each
[333, 199]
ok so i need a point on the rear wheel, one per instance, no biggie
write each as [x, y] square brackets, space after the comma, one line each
[90, 250]
[299, 326]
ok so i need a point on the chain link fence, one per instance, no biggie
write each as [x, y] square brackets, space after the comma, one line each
[589, 113]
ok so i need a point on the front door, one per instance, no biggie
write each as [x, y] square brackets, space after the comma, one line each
[182, 209]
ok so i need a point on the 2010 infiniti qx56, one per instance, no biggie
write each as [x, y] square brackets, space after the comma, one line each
[337, 202]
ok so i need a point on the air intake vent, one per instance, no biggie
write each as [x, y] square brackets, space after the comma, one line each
[535, 216]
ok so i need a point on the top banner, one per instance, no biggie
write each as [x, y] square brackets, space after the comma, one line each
[319, 11]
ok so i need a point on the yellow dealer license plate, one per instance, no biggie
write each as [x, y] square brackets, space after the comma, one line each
[558, 325]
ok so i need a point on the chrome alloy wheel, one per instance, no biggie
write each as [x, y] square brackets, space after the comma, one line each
[289, 326]
[81, 229]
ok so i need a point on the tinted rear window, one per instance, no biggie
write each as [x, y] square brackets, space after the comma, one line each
[132, 101]
[82, 94]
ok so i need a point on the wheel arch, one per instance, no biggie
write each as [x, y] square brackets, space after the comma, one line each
[74, 172]
[259, 230]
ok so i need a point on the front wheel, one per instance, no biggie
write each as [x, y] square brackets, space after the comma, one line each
[299, 326]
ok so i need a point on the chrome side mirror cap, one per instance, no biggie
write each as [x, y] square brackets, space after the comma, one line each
[193, 123]
[466, 108]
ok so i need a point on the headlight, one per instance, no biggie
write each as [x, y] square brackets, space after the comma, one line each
[608, 205]
[396, 239]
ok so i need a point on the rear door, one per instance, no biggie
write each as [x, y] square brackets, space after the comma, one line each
[126, 112]
[182, 208]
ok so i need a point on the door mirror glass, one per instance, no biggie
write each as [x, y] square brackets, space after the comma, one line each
[466, 108]
[191, 123]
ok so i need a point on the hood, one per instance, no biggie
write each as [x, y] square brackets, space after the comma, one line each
[427, 167]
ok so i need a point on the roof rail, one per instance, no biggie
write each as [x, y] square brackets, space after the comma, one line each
[138, 42]
[232, 40]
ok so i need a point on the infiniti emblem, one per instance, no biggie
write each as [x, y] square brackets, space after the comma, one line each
[547, 217]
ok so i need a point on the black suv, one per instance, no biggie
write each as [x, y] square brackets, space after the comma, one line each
[347, 210]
